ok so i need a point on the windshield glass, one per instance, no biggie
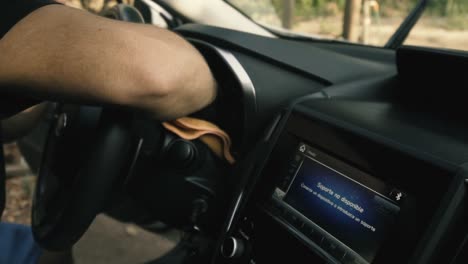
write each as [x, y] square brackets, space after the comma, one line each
[370, 22]
[443, 25]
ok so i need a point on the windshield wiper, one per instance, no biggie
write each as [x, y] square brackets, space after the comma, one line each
[397, 39]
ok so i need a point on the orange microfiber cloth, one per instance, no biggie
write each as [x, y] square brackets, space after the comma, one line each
[215, 138]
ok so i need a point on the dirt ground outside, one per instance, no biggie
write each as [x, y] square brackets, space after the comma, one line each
[425, 33]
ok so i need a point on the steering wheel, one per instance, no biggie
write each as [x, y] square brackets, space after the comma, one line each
[87, 152]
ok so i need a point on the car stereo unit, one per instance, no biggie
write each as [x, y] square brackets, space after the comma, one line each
[333, 202]
[347, 198]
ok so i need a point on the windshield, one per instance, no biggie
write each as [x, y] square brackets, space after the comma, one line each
[444, 23]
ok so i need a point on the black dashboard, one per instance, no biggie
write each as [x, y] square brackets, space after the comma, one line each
[274, 72]
[348, 193]
[346, 154]
[345, 161]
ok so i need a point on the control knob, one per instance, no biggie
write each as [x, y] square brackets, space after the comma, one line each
[233, 247]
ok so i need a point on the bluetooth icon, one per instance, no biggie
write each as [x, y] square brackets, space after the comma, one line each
[397, 195]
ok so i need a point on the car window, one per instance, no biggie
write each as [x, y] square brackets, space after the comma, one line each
[369, 22]
[444, 24]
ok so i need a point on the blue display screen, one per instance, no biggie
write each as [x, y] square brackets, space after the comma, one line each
[349, 211]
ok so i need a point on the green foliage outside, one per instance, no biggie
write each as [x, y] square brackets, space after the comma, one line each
[448, 7]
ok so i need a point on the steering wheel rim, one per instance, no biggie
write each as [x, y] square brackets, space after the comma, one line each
[60, 216]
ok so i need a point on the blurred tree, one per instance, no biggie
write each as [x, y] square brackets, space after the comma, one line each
[351, 20]
[288, 13]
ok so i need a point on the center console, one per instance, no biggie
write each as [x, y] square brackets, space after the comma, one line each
[333, 203]
[343, 182]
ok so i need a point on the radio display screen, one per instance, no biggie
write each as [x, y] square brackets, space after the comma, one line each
[356, 209]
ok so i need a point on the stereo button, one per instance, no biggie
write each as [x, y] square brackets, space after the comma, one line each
[297, 223]
[314, 235]
[293, 219]
[332, 248]
[350, 258]
[233, 247]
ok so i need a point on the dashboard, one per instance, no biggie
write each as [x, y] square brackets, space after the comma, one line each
[346, 195]
[354, 166]
[345, 154]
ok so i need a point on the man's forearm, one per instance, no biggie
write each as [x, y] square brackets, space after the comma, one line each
[61, 53]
